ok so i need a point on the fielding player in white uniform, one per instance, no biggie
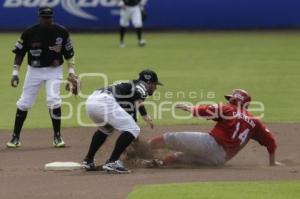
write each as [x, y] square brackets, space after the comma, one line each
[46, 45]
[131, 11]
[114, 107]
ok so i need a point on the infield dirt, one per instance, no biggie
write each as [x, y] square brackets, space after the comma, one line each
[22, 174]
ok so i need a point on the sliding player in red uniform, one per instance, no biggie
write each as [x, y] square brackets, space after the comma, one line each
[235, 126]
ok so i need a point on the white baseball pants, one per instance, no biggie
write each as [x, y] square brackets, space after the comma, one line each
[132, 13]
[195, 147]
[35, 77]
[108, 115]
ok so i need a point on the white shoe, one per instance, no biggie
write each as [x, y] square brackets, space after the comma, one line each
[116, 166]
[142, 43]
[58, 142]
[155, 163]
[122, 45]
[14, 142]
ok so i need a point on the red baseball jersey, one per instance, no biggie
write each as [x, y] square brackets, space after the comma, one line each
[235, 127]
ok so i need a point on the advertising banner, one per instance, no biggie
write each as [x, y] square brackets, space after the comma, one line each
[162, 14]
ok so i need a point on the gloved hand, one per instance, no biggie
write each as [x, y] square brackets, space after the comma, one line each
[14, 81]
[73, 84]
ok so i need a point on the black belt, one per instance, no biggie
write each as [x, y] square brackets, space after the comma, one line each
[44, 66]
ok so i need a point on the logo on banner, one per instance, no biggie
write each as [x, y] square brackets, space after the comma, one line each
[73, 7]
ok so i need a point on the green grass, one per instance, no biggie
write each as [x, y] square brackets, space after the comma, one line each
[264, 63]
[219, 190]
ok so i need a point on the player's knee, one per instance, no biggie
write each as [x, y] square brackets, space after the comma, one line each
[54, 103]
[106, 129]
[23, 105]
[137, 25]
[157, 142]
[124, 24]
[135, 131]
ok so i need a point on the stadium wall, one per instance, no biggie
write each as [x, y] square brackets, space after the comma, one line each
[162, 14]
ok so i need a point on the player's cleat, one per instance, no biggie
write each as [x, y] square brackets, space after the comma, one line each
[142, 43]
[89, 165]
[155, 163]
[58, 142]
[116, 166]
[14, 142]
[122, 45]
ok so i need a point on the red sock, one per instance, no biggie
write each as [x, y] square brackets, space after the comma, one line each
[157, 142]
[171, 159]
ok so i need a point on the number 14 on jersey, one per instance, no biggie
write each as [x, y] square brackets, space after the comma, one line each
[242, 136]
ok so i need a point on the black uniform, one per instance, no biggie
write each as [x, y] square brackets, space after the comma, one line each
[127, 93]
[45, 46]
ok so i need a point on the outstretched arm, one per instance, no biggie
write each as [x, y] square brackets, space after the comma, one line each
[144, 114]
[264, 136]
[184, 107]
[207, 111]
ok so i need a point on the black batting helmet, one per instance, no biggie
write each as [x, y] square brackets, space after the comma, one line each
[149, 76]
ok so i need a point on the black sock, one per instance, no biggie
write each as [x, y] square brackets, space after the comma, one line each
[19, 121]
[122, 143]
[139, 33]
[97, 141]
[55, 115]
[122, 34]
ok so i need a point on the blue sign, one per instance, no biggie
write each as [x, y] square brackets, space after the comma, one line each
[162, 14]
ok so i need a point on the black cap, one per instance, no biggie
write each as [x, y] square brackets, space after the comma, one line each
[149, 76]
[45, 12]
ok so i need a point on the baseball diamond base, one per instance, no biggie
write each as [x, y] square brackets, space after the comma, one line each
[62, 166]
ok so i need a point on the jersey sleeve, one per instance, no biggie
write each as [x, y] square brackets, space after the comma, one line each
[68, 50]
[264, 137]
[210, 112]
[141, 91]
[20, 46]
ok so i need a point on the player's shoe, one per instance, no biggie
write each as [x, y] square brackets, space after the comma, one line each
[142, 43]
[14, 142]
[58, 142]
[116, 166]
[155, 163]
[122, 45]
[89, 165]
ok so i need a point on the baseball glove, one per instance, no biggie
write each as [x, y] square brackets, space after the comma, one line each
[73, 84]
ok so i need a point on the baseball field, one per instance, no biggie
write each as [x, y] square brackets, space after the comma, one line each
[198, 67]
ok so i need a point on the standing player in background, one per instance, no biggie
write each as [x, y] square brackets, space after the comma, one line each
[114, 107]
[131, 10]
[235, 127]
[46, 45]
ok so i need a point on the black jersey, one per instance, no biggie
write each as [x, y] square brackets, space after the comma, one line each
[127, 93]
[45, 46]
[131, 2]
